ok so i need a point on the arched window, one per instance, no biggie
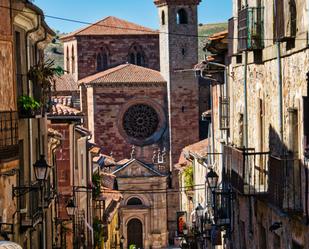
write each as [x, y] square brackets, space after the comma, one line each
[102, 59]
[163, 17]
[182, 17]
[99, 62]
[134, 202]
[137, 56]
[293, 18]
[68, 60]
[73, 60]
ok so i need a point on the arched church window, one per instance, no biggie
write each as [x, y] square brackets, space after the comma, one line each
[134, 202]
[102, 59]
[163, 17]
[182, 17]
[99, 62]
[73, 60]
[68, 60]
[137, 56]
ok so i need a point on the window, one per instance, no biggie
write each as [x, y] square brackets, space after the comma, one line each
[163, 17]
[134, 202]
[137, 56]
[293, 143]
[293, 18]
[102, 59]
[182, 17]
[19, 77]
[73, 60]
[68, 60]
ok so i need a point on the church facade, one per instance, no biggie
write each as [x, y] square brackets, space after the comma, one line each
[141, 116]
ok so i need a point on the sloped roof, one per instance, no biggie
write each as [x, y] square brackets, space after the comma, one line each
[200, 148]
[63, 110]
[140, 163]
[112, 26]
[125, 73]
[65, 82]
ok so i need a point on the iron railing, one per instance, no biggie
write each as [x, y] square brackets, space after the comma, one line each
[246, 170]
[250, 28]
[8, 134]
[285, 185]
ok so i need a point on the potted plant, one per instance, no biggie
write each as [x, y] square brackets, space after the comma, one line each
[43, 75]
[27, 106]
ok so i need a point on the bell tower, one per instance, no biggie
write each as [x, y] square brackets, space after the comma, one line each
[178, 53]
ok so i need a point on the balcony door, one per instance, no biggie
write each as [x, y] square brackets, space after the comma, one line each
[135, 234]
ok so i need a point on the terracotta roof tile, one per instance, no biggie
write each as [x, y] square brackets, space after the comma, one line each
[63, 110]
[200, 148]
[65, 83]
[126, 73]
[112, 26]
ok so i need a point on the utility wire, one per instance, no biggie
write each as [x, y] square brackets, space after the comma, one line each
[133, 29]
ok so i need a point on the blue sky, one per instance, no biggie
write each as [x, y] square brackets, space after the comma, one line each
[142, 12]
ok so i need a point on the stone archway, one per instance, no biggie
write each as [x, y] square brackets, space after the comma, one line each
[135, 233]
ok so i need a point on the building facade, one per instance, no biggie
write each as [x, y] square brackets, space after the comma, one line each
[264, 152]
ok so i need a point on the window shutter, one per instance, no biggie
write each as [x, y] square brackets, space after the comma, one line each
[306, 116]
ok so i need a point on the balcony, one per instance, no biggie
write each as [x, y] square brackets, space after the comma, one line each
[246, 170]
[224, 105]
[285, 184]
[8, 135]
[250, 29]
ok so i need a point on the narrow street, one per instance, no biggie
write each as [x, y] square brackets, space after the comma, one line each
[158, 124]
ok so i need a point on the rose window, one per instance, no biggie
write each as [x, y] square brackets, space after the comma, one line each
[140, 121]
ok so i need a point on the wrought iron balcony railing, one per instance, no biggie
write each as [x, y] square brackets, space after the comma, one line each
[246, 170]
[285, 184]
[250, 28]
[8, 134]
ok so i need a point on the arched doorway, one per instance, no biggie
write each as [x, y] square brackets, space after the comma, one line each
[135, 233]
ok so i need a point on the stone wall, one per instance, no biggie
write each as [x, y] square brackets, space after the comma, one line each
[108, 105]
[118, 46]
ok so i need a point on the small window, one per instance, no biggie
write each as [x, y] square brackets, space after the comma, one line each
[68, 60]
[182, 17]
[73, 60]
[137, 56]
[102, 59]
[293, 17]
[134, 202]
[163, 17]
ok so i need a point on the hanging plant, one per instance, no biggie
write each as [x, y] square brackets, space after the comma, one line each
[96, 181]
[27, 106]
[43, 75]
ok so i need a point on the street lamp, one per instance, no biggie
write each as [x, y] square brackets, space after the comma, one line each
[41, 169]
[212, 179]
[71, 208]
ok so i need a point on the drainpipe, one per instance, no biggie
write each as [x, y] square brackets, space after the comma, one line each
[89, 212]
[245, 100]
[30, 134]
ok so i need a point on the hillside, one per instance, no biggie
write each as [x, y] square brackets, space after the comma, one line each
[207, 30]
[55, 50]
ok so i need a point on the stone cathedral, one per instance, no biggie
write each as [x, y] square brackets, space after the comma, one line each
[142, 116]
